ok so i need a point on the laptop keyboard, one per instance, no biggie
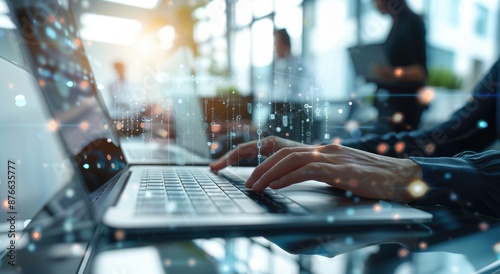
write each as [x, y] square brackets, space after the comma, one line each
[197, 191]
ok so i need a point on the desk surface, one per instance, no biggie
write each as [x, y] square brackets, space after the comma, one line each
[455, 242]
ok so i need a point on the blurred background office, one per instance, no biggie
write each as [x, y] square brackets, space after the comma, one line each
[230, 45]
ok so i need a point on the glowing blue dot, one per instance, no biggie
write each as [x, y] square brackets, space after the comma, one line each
[453, 197]
[50, 33]
[68, 225]
[31, 247]
[20, 100]
[86, 166]
[349, 241]
[330, 219]
[482, 124]
[69, 84]
[348, 193]
[350, 211]
[447, 175]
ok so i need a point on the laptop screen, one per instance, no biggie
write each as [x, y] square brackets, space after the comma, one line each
[60, 64]
[58, 237]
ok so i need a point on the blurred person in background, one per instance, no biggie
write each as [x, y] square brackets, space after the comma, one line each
[292, 80]
[123, 97]
[398, 84]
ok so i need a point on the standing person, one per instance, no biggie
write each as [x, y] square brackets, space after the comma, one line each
[123, 96]
[290, 77]
[399, 83]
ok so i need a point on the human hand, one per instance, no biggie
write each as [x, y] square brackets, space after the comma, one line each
[250, 150]
[383, 73]
[364, 174]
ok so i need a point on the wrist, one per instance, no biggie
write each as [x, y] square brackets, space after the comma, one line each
[415, 186]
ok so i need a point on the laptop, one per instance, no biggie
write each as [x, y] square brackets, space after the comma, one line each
[47, 204]
[169, 199]
[179, 101]
[365, 57]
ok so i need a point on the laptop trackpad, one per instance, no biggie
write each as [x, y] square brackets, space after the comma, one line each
[318, 196]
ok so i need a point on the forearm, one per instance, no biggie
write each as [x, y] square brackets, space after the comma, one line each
[412, 73]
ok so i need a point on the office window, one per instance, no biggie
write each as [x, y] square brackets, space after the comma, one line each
[282, 5]
[217, 20]
[292, 20]
[262, 43]
[367, 6]
[332, 33]
[243, 13]
[220, 61]
[374, 25]
[210, 36]
[418, 6]
[453, 12]
[262, 8]
[481, 25]
[440, 58]
[201, 32]
[241, 60]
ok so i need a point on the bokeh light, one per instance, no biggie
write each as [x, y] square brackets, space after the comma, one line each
[119, 235]
[418, 189]
[53, 125]
[398, 117]
[403, 252]
[400, 147]
[425, 96]
[382, 148]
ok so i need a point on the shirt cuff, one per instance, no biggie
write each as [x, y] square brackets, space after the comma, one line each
[451, 181]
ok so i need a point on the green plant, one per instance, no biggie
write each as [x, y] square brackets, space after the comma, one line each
[227, 90]
[442, 77]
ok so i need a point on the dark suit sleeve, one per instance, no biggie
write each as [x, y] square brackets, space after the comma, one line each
[469, 180]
